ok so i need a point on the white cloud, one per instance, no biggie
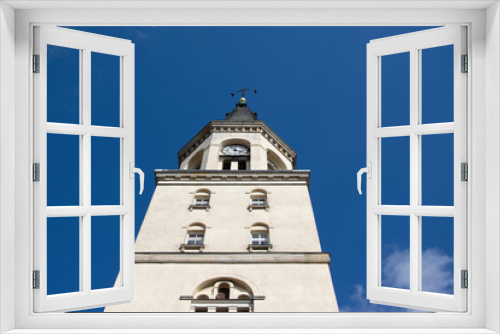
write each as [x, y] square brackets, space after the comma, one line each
[396, 269]
[437, 276]
[359, 303]
[437, 271]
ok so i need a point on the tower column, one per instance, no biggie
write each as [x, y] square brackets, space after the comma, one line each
[204, 160]
[211, 157]
[258, 157]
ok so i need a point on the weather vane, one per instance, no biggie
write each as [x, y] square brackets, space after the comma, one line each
[242, 91]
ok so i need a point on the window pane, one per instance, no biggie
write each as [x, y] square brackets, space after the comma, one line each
[195, 239]
[395, 90]
[63, 255]
[437, 254]
[63, 170]
[105, 234]
[395, 165]
[105, 89]
[63, 85]
[396, 251]
[437, 84]
[105, 171]
[437, 169]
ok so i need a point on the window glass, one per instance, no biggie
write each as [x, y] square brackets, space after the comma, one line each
[259, 201]
[437, 169]
[201, 201]
[63, 85]
[437, 254]
[395, 168]
[63, 255]
[63, 170]
[260, 238]
[105, 248]
[105, 90]
[395, 251]
[195, 238]
[106, 171]
[395, 95]
[437, 84]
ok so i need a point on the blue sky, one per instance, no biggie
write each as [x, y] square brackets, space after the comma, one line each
[311, 84]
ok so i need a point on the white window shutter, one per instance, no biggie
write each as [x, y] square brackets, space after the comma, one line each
[414, 297]
[86, 43]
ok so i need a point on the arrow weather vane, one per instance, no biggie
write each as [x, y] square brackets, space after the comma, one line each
[242, 91]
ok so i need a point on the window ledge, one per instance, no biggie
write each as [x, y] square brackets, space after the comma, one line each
[267, 247]
[186, 247]
[197, 207]
[252, 207]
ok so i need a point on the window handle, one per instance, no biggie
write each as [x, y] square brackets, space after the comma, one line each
[368, 171]
[141, 175]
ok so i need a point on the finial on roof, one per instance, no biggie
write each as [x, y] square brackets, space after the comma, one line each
[242, 102]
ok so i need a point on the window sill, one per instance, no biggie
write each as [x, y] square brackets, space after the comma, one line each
[252, 248]
[198, 207]
[258, 207]
[186, 247]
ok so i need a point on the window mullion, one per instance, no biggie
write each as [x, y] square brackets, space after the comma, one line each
[414, 170]
[85, 163]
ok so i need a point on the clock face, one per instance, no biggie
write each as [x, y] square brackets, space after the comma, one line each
[235, 150]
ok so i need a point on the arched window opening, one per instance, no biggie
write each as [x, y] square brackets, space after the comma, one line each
[274, 162]
[202, 297]
[235, 154]
[223, 295]
[223, 292]
[201, 200]
[195, 162]
[195, 238]
[258, 200]
[259, 238]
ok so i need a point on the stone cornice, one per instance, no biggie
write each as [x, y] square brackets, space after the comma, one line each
[233, 258]
[167, 176]
[238, 127]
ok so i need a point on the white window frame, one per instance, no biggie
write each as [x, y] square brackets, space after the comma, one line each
[86, 297]
[16, 215]
[414, 43]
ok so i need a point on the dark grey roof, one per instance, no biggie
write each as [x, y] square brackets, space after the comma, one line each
[241, 113]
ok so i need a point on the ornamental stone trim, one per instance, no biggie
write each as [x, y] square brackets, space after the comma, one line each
[233, 258]
[167, 176]
[223, 126]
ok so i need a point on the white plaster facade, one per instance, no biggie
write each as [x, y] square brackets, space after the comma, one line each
[287, 273]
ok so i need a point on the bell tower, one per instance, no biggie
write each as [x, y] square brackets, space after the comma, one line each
[233, 229]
